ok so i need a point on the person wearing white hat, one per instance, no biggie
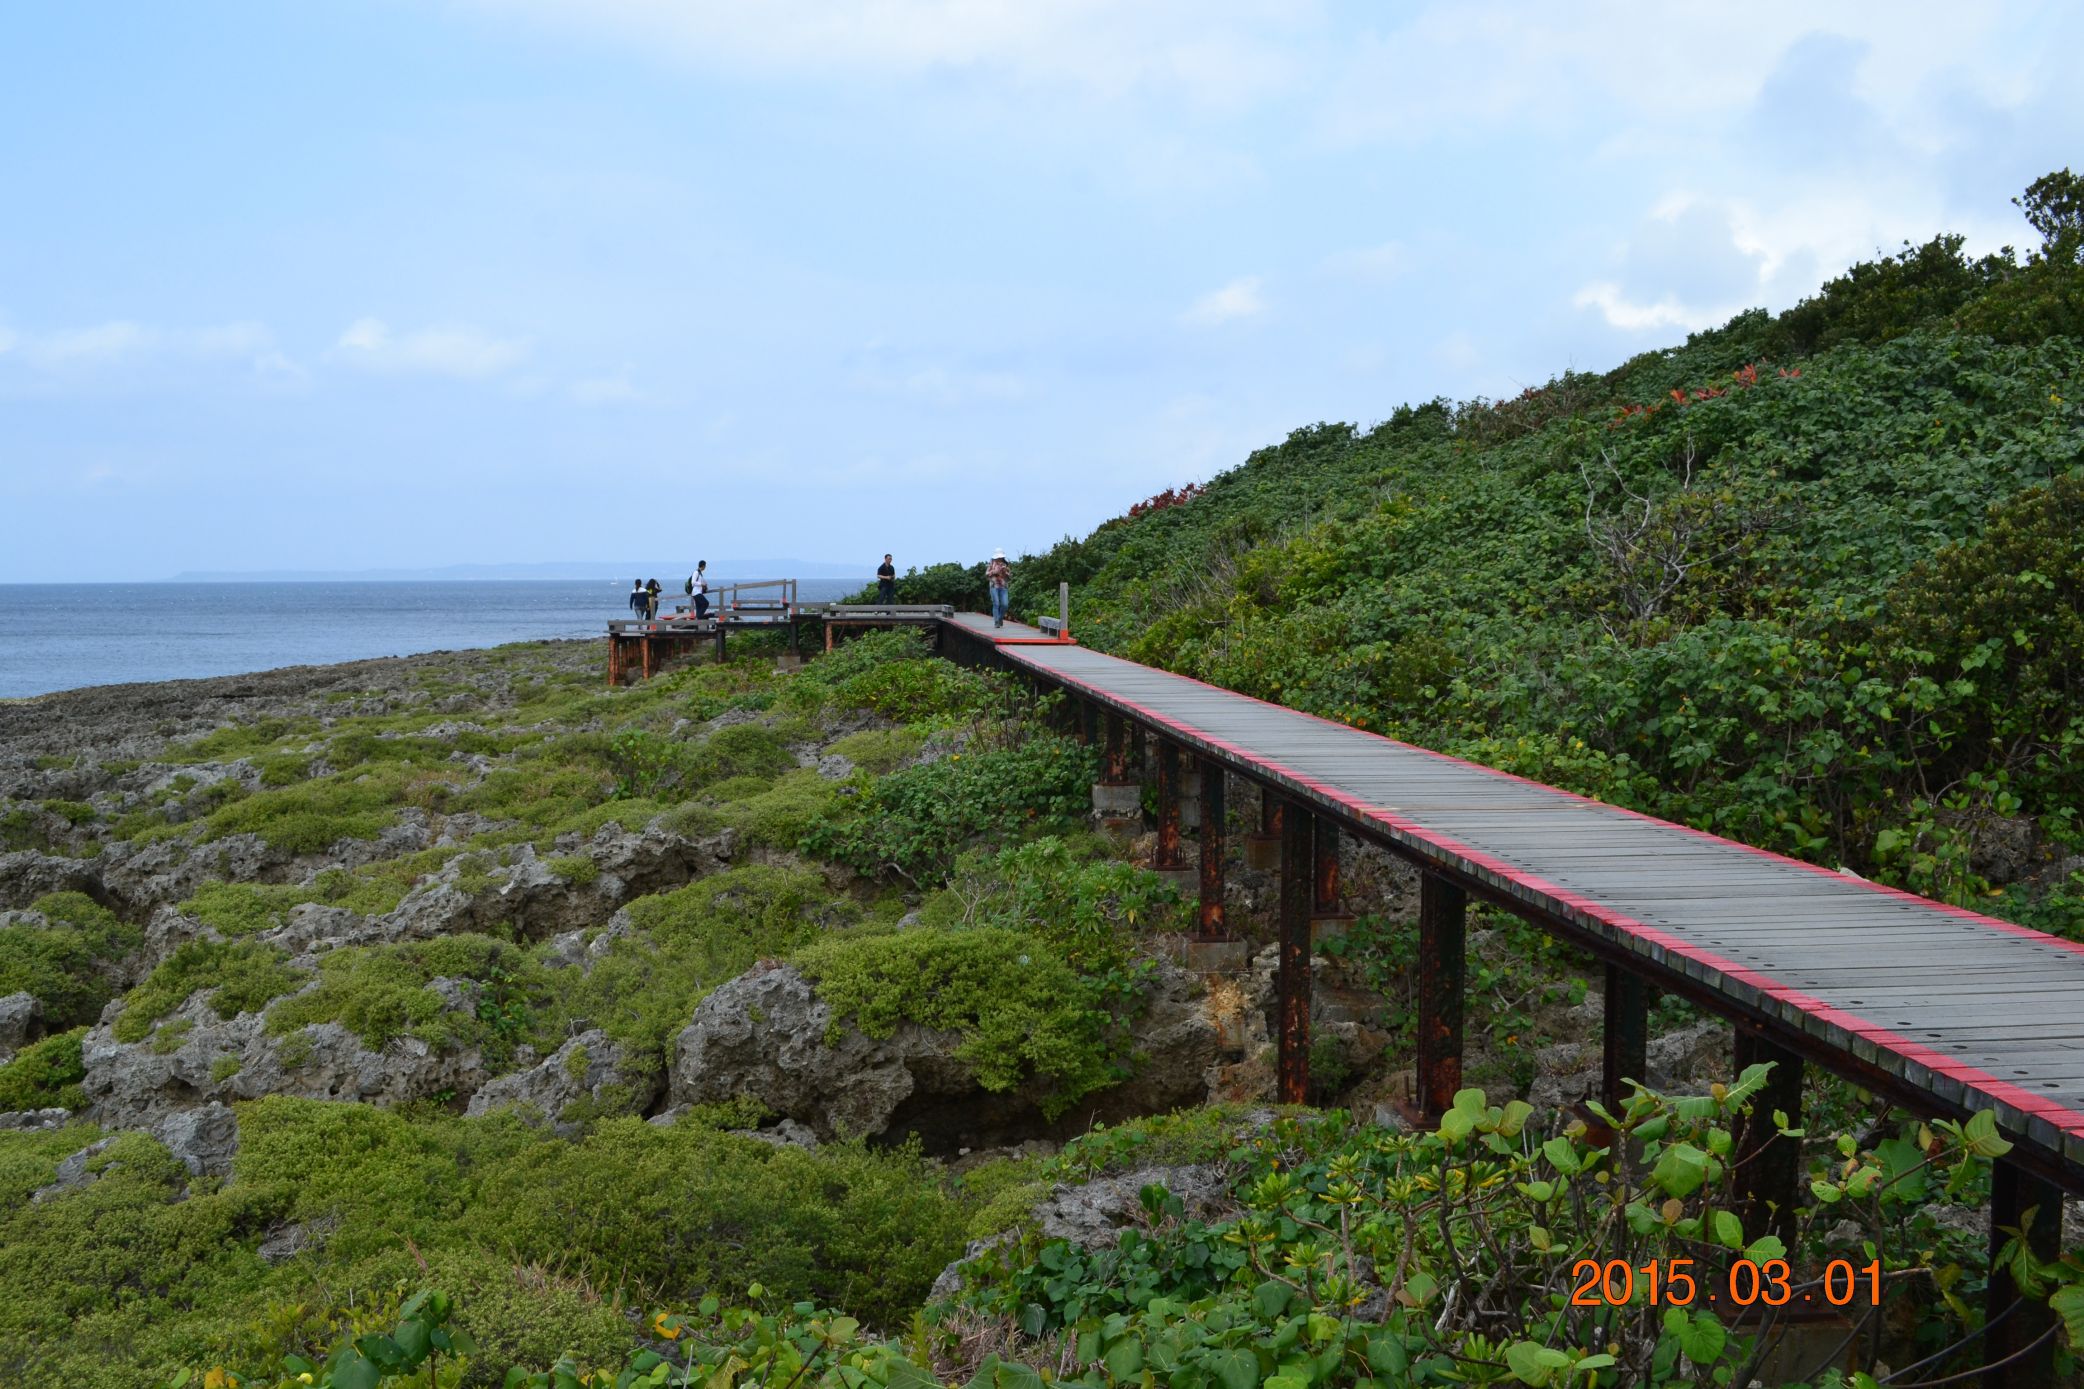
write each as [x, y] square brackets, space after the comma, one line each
[996, 574]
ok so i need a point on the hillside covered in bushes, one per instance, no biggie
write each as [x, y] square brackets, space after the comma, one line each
[1811, 580]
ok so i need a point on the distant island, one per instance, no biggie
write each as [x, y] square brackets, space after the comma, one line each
[570, 569]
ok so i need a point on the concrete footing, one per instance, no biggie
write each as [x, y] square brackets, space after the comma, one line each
[1187, 881]
[1122, 800]
[1217, 956]
[1263, 852]
[785, 663]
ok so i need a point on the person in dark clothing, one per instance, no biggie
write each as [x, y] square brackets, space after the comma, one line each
[698, 585]
[637, 597]
[886, 582]
[651, 593]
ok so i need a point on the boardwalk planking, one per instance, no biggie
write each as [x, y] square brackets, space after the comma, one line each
[1962, 1010]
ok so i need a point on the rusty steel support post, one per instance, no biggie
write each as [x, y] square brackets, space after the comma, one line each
[1766, 1170]
[1212, 846]
[1624, 1055]
[644, 643]
[614, 661]
[1270, 808]
[1115, 762]
[1443, 911]
[1325, 873]
[1168, 856]
[828, 634]
[2021, 1336]
[1294, 979]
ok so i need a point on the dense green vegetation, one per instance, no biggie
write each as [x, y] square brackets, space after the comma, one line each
[1812, 580]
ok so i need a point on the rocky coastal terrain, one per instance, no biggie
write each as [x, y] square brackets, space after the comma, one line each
[479, 893]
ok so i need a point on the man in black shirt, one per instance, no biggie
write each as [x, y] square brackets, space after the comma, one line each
[886, 582]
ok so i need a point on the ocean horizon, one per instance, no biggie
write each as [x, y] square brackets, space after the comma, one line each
[66, 636]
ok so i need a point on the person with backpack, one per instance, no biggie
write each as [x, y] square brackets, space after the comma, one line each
[997, 575]
[698, 588]
[886, 582]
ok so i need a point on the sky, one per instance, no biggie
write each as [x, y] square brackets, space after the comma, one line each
[334, 285]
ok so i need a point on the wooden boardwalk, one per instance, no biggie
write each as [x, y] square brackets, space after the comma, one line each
[1920, 1001]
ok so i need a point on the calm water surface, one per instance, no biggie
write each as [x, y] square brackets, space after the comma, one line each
[61, 636]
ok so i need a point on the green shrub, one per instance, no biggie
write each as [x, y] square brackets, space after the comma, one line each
[682, 1211]
[380, 993]
[241, 977]
[284, 769]
[916, 822]
[1091, 907]
[45, 1074]
[65, 962]
[310, 816]
[241, 909]
[574, 868]
[630, 815]
[102, 1283]
[1021, 1011]
[528, 1314]
[73, 813]
[29, 1159]
[880, 750]
[780, 815]
[645, 987]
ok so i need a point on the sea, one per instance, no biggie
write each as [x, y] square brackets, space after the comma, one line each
[63, 636]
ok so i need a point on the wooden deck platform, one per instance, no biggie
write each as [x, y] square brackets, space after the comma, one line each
[1919, 1000]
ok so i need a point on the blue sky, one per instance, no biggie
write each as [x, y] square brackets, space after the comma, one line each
[334, 285]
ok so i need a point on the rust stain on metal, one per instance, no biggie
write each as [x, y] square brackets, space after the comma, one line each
[1212, 847]
[1168, 857]
[1294, 978]
[1326, 850]
[1442, 928]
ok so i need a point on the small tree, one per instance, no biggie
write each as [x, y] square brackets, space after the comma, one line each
[2054, 207]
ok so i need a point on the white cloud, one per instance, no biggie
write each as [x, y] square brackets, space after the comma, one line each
[945, 385]
[1221, 52]
[120, 341]
[1238, 299]
[605, 390]
[447, 350]
[1488, 62]
[1372, 263]
[1621, 312]
[102, 343]
[1458, 350]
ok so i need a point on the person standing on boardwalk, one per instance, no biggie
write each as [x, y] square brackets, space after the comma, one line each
[637, 597]
[886, 582]
[651, 592]
[997, 575]
[698, 588]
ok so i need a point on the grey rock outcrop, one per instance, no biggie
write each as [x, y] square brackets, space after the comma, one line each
[1683, 1060]
[26, 875]
[26, 1120]
[21, 1022]
[766, 1035]
[536, 902]
[134, 1085]
[1093, 1214]
[589, 1075]
[204, 1139]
